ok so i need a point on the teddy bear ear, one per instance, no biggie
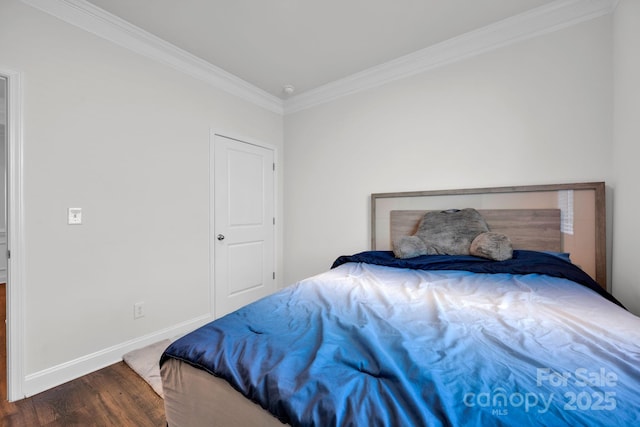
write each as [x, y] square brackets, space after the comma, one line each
[491, 245]
[409, 247]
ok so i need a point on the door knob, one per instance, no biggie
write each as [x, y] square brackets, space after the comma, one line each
[220, 237]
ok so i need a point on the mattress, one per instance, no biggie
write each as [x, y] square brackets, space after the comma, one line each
[368, 344]
[184, 388]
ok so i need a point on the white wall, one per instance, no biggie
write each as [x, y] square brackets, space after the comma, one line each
[626, 174]
[536, 112]
[127, 140]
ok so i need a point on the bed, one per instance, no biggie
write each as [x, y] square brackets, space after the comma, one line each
[433, 340]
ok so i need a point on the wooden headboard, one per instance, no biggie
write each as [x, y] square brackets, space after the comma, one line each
[534, 229]
[529, 215]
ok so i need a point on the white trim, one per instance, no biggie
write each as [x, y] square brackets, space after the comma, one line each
[242, 138]
[15, 236]
[211, 229]
[547, 18]
[56, 375]
[542, 20]
[103, 24]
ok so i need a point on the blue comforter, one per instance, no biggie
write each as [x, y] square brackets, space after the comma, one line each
[371, 345]
[522, 262]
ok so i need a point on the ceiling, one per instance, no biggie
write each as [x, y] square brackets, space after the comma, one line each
[308, 43]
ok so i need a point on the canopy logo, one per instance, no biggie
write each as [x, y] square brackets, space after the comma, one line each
[584, 392]
[500, 401]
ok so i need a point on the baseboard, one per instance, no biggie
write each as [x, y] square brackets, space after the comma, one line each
[51, 377]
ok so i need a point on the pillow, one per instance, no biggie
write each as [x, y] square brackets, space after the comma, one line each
[451, 232]
[495, 246]
[409, 247]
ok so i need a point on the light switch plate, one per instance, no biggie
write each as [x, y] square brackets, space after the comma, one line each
[75, 216]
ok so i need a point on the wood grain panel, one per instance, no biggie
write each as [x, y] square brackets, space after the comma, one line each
[533, 229]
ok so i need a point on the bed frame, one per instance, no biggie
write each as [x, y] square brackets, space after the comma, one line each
[531, 228]
[194, 397]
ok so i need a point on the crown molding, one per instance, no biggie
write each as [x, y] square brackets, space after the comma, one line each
[538, 21]
[103, 24]
[545, 19]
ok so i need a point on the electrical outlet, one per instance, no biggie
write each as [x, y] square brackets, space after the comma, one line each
[138, 310]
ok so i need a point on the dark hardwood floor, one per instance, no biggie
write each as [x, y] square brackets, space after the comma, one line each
[113, 396]
[3, 341]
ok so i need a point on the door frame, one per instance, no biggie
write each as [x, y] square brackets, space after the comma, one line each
[15, 235]
[213, 131]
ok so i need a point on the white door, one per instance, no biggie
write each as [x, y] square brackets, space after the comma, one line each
[243, 225]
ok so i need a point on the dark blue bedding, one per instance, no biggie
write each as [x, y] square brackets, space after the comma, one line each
[371, 345]
[523, 262]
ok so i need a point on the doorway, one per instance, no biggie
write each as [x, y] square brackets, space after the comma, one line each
[243, 223]
[12, 218]
[3, 238]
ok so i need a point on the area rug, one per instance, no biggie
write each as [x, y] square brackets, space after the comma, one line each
[145, 362]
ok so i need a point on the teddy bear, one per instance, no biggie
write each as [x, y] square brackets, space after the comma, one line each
[454, 232]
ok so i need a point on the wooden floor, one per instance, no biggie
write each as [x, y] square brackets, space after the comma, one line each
[113, 396]
[3, 341]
